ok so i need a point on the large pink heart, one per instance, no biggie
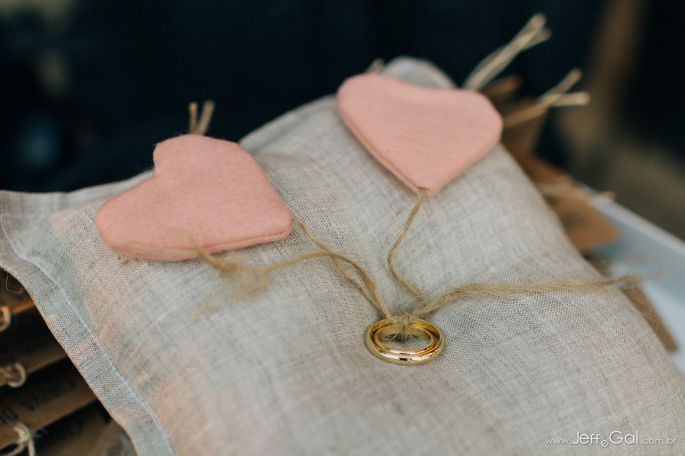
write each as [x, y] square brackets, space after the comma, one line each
[204, 193]
[424, 136]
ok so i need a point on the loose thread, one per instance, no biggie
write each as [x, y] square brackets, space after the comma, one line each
[200, 126]
[398, 276]
[557, 96]
[532, 34]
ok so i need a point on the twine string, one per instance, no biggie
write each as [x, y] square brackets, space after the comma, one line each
[13, 375]
[192, 116]
[558, 96]
[496, 290]
[200, 126]
[367, 288]
[253, 278]
[24, 441]
[513, 290]
[397, 275]
[5, 318]
[532, 34]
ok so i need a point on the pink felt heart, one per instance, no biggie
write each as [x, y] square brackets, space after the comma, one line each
[424, 136]
[204, 193]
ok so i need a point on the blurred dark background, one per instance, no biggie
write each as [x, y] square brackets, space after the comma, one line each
[88, 87]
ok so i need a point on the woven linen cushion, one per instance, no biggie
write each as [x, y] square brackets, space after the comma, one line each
[187, 368]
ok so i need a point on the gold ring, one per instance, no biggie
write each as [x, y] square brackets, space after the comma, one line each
[417, 328]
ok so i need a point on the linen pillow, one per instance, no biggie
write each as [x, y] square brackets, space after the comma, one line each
[187, 368]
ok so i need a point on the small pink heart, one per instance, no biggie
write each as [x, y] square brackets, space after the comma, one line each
[424, 136]
[205, 193]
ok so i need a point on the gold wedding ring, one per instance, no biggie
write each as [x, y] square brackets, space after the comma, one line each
[385, 329]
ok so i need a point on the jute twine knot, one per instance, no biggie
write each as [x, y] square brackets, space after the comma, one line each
[24, 441]
[13, 375]
[404, 321]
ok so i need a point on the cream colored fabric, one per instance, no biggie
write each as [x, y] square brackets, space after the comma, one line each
[187, 369]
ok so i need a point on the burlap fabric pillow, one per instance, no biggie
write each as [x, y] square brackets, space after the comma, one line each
[188, 369]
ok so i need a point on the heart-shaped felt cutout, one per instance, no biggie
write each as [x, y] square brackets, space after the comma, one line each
[205, 193]
[424, 136]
